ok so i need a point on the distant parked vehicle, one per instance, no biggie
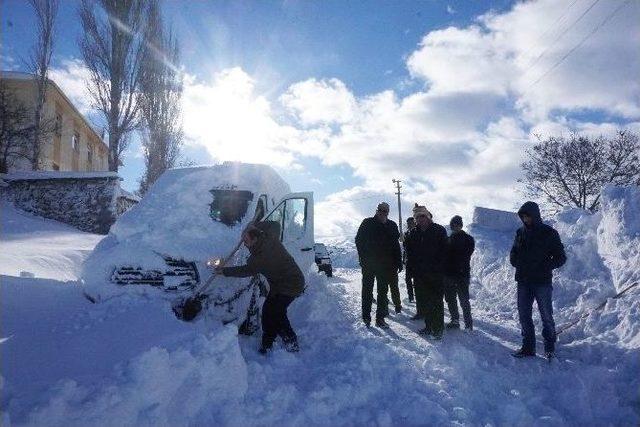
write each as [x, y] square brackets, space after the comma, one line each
[323, 260]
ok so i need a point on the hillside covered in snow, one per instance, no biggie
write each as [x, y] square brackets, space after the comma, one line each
[129, 361]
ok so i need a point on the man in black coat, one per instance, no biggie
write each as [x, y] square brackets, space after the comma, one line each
[457, 270]
[380, 257]
[536, 251]
[408, 277]
[426, 246]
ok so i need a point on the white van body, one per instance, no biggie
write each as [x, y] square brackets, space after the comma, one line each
[159, 248]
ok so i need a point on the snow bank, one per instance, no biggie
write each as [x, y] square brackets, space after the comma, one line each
[41, 247]
[159, 387]
[619, 234]
[343, 254]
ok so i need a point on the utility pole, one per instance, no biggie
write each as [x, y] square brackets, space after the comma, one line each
[398, 187]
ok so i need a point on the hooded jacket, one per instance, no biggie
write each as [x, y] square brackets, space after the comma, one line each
[537, 250]
[270, 258]
[378, 245]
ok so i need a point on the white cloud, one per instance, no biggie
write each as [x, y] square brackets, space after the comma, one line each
[233, 122]
[508, 53]
[72, 77]
[320, 101]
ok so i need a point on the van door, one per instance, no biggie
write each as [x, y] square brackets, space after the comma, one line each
[294, 216]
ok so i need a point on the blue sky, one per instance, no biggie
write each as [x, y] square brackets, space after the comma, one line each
[343, 96]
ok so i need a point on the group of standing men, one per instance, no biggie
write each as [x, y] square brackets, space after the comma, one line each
[438, 266]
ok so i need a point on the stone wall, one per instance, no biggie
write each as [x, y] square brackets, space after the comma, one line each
[85, 200]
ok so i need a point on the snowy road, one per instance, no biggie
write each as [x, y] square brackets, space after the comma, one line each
[129, 361]
[398, 377]
[132, 363]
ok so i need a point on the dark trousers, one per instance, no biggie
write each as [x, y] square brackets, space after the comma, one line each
[275, 321]
[457, 288]
[429, 299]
[382, 280]
[542, 295]
[395, 290]
[408, 279]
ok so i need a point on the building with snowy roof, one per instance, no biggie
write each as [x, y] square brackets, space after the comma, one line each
[74, 145]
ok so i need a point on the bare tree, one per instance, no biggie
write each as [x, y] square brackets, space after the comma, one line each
[571, 171]
[16, 127]
[111, 47]
[160, 98]
[39, 61]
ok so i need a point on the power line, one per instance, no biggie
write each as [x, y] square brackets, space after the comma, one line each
[535, 61]
[558, 19]
[591, 33]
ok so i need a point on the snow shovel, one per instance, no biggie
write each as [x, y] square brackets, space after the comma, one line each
[189, 308]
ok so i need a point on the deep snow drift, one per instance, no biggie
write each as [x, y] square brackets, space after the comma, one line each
[128, 361]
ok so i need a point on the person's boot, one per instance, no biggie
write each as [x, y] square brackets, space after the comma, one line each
[398, 309]
[417, 317]
[425, 331]
[468, 327]
[291, 345]
[367, 321]
[267, 343]
[380, 323]
[523, 352]
[454, 324]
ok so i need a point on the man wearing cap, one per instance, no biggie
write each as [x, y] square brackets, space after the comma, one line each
[408, 277]
[426, 246]
[380, 257]
[457, 272]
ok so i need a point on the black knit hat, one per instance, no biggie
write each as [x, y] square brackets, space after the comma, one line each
[456, 220]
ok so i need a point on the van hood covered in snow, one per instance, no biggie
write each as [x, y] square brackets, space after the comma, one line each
[178, 221]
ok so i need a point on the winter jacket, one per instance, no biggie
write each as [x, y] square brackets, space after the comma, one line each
[460, 247]
[404, 246]
[426, 250]
[270, 258]
[537, 250]
[378, 245]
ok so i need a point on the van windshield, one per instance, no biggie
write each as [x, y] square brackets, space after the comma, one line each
[229, 206]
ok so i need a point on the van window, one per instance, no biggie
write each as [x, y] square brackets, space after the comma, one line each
[229, 206]
[291, 216]
[294, 219]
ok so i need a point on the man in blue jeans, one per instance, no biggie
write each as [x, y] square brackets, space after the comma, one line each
[536, 252]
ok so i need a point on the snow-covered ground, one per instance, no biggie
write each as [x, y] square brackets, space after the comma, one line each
[129, 361]
[41, 247]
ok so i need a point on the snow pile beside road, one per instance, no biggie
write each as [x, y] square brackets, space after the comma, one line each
[343, 254]
[41, 247]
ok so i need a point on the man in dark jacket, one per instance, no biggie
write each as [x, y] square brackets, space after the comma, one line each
[380, 257]
[286, 282]
[457, 270]
[426, 246]
[536, 251]
[408, 278]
